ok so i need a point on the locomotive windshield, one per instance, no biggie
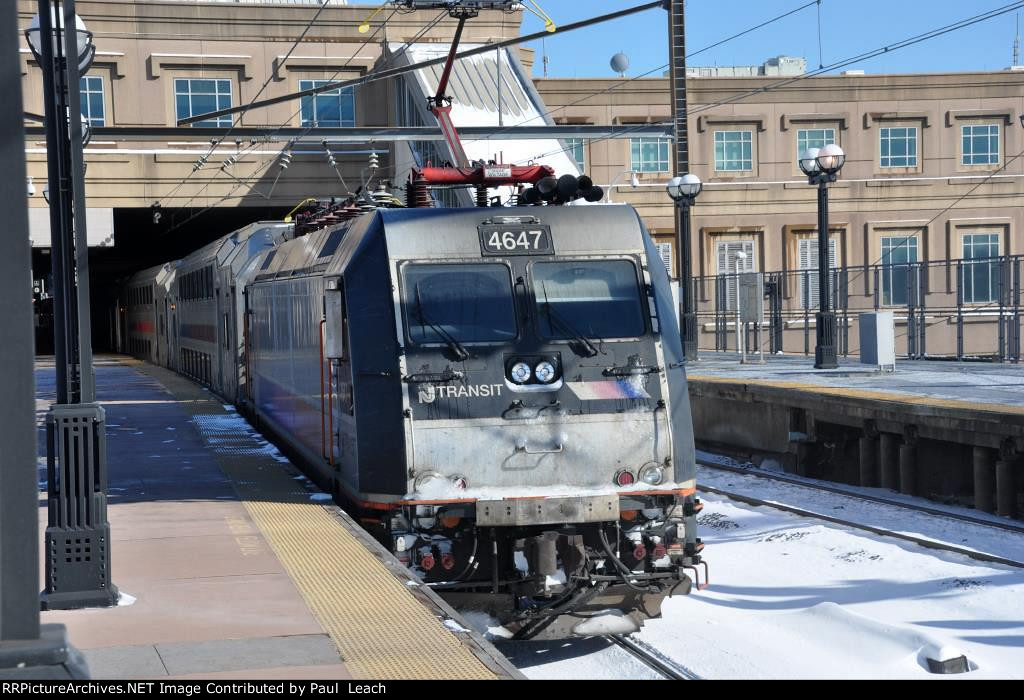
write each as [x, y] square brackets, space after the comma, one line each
[466, 303]
[593, 299]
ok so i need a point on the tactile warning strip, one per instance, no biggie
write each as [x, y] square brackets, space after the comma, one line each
[380, 629]
[868, 394]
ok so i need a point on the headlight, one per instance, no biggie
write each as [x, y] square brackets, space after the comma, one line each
[460, 482]
[520, 373]
[425, 478]
[653, 474]
[545, 372]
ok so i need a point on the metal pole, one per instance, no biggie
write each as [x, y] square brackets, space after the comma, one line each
[86, 381]
[75, 426]
[739, 329]
[19, 555]
[825, 331]
[677, 60]
[28, 650]
[688, 320]
[58, 255]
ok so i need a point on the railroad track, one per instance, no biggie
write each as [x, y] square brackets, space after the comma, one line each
[808, 483]
[652, 658]
[921, 541]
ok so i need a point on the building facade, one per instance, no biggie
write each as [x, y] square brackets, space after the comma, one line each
[926, 213]
[158, 61]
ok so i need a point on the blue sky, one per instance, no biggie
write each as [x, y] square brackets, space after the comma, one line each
[848, 28]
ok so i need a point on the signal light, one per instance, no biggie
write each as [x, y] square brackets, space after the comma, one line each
[427, 562]
[629, 515]
[447, 562]
[659, 551]
[624, 478]
[639, 552]
[450, 522]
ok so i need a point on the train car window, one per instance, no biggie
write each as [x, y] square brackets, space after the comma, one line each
[467, 303]
[595, 298]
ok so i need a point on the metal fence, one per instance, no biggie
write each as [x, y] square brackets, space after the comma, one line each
[963, 309]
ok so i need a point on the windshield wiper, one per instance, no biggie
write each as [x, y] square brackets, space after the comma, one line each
[554, 318]
[455, 346]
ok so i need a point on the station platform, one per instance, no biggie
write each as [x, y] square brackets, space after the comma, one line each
[967, 386]
[951, 431]
[232, 566]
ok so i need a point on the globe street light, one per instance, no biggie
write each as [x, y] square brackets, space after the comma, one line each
[683, 190]
[821, 166]
[84, 49]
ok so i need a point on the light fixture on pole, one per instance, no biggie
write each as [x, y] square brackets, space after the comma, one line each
[683, 190]
[821, 166]
[634, 182]
[84, 49]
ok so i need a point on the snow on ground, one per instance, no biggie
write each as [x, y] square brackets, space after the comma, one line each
[980, 538]
[794, 597]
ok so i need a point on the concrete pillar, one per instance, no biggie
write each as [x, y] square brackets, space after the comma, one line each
[1006, 488]
[908, 468]
[869, 461]
[984, 479]
[888, 448]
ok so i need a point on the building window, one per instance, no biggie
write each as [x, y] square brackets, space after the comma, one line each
[574, 147]
[729, 263]
[332, 108]
[665, 252]
[194, 96]
[813, 138]
[734, 151]
[980, 282]
[807, 257]
[980, 144]
[92, 100]
[898, 254]
[898, 146]
[650, 155]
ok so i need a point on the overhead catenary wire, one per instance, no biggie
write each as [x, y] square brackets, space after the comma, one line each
[394, 72]
[874, 53]
[309, 128]
[662, 67]
[216, 142]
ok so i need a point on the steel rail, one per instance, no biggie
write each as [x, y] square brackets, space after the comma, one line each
[921, 541]
[962, 517]
[653, 658]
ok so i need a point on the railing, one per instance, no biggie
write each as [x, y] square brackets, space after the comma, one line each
[963, 309]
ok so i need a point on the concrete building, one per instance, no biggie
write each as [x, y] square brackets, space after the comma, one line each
[933, 176]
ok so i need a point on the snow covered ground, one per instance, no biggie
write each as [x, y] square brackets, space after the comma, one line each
[794, 597]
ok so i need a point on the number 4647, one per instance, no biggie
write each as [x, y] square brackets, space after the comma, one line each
[510, 240]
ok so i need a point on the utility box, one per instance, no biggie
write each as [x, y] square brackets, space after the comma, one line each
[751, 298]
[878, 339]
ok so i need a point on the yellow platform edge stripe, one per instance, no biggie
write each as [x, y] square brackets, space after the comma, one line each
[381, 631]
[910, 399]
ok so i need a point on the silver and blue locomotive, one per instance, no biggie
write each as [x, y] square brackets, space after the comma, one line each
[498, 394]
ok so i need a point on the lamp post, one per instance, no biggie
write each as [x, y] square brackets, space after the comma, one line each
[28, 650]
[76, 521]
[821, 166]
[634, 182]
[683, 190]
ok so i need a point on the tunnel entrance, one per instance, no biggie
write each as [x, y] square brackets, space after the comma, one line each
[138, 244]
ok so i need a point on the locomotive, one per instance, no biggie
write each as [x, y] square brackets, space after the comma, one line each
[498, 394]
